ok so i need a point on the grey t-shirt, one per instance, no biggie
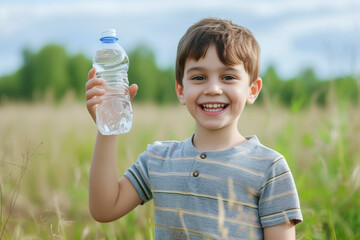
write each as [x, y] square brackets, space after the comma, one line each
[233, 193]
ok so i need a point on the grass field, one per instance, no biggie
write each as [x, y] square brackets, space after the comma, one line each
[45, 154]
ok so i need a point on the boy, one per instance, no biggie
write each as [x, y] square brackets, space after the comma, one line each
[217, 184]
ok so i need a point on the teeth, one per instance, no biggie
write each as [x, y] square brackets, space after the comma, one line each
[215, 105]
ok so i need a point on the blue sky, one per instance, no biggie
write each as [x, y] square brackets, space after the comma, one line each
[293, 34]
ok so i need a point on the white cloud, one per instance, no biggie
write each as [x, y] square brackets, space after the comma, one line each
[30, 10]
[96, 8]
[13, 12]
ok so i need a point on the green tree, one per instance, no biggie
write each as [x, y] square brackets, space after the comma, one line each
[9, 86]
[166, 91]
[79, 66]
[272, 85]
[51, 71]
[346, 89]
[144, 72]
[303, 86]
[27, 75]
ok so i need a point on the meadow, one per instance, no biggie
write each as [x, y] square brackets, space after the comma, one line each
[46, 149]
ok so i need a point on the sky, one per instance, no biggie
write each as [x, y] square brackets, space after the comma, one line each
[292, 34]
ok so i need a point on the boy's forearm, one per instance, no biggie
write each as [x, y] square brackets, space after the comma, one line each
[103, 182]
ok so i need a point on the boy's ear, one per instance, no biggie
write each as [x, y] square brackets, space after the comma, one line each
[180, 92]
[254, 91]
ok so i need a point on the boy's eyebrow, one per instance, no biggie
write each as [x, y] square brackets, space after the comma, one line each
[195, 69]
[227, 68]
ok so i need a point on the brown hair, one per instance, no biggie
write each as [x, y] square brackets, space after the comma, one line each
[234, 44]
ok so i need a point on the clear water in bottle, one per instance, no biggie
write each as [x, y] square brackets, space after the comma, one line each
[114, 115]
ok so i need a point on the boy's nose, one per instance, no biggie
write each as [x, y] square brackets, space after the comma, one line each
[213, 88]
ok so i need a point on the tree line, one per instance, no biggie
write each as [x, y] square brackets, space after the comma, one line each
[52, 71]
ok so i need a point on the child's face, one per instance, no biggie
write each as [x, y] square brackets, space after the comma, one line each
[215, 94]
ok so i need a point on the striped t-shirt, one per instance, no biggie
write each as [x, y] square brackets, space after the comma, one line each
[230, 194]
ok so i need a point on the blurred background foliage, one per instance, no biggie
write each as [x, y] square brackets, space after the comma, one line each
[53, 72]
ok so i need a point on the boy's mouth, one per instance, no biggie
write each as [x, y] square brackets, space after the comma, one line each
[213, 107]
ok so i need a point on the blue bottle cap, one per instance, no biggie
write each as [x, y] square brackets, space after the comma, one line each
[109, 35]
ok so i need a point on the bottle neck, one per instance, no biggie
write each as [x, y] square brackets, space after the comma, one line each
[108, 39]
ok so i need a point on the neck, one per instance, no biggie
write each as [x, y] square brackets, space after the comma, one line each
[216, 140]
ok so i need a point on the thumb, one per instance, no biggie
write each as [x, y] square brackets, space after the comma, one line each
[133, 90]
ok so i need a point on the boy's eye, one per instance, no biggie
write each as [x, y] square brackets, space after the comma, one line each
[198, 77]
[228, 77]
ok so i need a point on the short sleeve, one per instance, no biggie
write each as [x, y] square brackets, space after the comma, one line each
[279, 200]
[139, 177]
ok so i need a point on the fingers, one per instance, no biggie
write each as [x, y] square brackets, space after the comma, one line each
[90, 86]
[94, 82]
[94, 92]
[92, 73]
[92, 102]
[133, 90]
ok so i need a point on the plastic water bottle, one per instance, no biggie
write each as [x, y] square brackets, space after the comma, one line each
[114, 115]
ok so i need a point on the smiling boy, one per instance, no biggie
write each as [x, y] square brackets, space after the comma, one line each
[218, 183]
[215, 95]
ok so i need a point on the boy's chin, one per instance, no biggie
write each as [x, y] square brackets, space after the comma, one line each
[213, 126]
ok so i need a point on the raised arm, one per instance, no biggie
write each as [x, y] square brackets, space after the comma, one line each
[109, 197]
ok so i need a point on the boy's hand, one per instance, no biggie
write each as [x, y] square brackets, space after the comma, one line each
[93, 94]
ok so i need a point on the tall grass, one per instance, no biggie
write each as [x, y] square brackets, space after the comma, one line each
[320, 145]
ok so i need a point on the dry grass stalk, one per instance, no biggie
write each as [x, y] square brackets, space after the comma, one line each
[62, 223]
[355, 178]
[240, 212]
[252, 192]
[25, 160]
[85, 233]
[183, 223]
[286, 218]
[232, 195]
[221, 219]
